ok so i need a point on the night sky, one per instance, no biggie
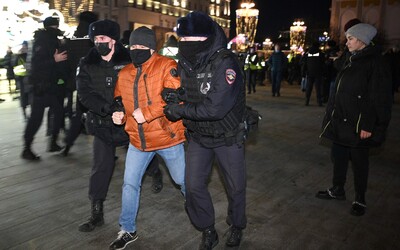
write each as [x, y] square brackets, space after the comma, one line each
[276, 15]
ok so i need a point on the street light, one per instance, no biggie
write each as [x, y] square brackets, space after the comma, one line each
[246, 24]
[297, 36]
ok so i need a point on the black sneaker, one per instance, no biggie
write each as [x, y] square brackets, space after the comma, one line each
[27, 154]
[333, 193]
[209, 239]
[123, 239]
[54, 147]
[234, 236]
[358, 208]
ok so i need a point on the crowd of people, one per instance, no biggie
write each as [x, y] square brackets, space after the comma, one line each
[192, 111]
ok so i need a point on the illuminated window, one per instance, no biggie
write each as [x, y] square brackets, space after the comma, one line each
[218, 1]
[183, 3]
[148, 3]
[176, 2]
[131, 1]
[218, 10]
[211, 8]
[139, 2]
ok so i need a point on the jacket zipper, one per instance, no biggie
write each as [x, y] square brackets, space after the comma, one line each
[136, 106]
[358, 123]
[147, 92]
[323, 131]
[337, 90]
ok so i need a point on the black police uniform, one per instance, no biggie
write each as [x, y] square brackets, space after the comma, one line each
[213, 113]
[44, 75]
[95, 81]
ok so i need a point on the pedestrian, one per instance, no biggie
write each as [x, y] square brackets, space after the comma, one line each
[357, 114]
[9, 63]
[95, 81]
[278, 63]
[44, 76]
[21, 78]
[78, 49]
[252, 71]
[313, 67]
[140, 85]
[213, 111]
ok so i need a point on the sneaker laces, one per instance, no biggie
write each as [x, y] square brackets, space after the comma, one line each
[121, 234]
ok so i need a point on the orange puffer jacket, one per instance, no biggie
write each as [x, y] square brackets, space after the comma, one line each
[141, 88]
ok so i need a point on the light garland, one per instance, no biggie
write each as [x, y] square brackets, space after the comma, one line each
[21, 18]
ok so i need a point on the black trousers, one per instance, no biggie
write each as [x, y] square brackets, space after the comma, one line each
[102, 170]
[252, 81]
[311, 81]
[359, 157]
[199, 162]
[39, 104]
[76, 124]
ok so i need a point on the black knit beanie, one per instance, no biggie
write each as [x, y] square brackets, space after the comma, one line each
[50, 21]
[143, 36]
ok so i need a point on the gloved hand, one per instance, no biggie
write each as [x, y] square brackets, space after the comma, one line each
[170, 95]
[173, 95]
[173, 111]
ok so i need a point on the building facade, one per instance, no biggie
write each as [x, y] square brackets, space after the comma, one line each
[161, 15]
[383, 14]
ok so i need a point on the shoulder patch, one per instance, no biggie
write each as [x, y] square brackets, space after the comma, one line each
[230, 76]
[173, 72]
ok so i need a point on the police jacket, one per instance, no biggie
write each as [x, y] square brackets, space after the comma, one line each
[362, 101]
[141, 87]
[95, 83]
[313, 63]
[44, 72]
[214, 105]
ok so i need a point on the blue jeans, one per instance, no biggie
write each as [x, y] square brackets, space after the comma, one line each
[135, 167]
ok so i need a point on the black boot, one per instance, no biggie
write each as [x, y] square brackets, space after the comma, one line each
[27, 154]
[65, 152]
[234, 236]
[157, 185]
[209, 239]
[53, 146]
[96, 219]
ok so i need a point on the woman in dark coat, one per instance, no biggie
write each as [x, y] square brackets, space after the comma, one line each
[357, 114]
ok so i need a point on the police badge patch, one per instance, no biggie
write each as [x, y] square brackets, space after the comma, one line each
[230, 76]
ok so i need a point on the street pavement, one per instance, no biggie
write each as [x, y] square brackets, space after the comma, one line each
[42, 203]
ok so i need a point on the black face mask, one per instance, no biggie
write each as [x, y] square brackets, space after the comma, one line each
[103, 48]
[191, 49]
[139, 56]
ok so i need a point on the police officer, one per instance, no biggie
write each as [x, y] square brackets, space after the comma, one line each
[96, 77]
[45, 73]
[213, 108]
[314, 69]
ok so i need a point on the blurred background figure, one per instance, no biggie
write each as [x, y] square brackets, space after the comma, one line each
[9, 62]
[45, 77]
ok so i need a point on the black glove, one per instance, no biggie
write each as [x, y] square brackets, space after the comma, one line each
[117, 105]
[170, 95]
[173, 111]
[173, 95]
